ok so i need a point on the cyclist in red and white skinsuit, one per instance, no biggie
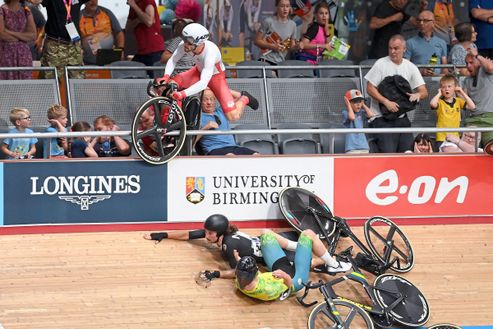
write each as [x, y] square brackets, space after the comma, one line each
[208, 71]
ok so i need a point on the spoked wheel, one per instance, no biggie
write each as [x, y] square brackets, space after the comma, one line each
[295, 203]
[387, 242]
[153, 120]
[444, 326]
[412, 310]
[352, 316]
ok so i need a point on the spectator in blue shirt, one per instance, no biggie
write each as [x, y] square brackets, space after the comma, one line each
[20, 148]
[482, 17]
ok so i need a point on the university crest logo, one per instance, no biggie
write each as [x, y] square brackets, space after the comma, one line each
[195, 189]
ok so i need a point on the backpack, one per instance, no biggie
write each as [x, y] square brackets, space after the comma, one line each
[395, 88]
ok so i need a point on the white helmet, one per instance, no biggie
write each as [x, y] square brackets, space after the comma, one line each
[195, 34]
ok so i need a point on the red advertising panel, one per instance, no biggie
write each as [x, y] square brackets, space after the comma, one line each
[413, 186]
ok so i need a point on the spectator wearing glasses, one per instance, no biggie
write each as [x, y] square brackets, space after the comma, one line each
[426, 48]
[213, 118]
[20, 148]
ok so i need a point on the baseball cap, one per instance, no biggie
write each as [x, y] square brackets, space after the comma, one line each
[354, 95]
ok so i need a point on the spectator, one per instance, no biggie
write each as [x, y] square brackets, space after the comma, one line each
[249, 19]
[422, 144]
[81, 147]
[479, 86]
[481, 12]
[57, 117]
[214, 118]
[393, 64]
[62, 41]
[99, 29]
[466, 36]
[444, 20]
[387, 21]
[277, 34]
[109, 146]
[467, 143]
[317, 37]
[354, 116]
[20, 148]
[171, 45]
[143, 20]
[426, 48]
[226, 16]
[39, 22]
[448, 106]
[17, 30]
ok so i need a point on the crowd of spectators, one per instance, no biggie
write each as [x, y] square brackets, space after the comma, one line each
[73, 35]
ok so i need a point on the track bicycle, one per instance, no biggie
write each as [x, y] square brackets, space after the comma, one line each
[159, 125]
[388, 245]
[393, 300]
[444, 326]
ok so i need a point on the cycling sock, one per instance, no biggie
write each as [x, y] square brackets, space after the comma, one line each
[327, 258]
[291, 245]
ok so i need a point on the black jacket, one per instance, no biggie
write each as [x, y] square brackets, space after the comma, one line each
[395, 88]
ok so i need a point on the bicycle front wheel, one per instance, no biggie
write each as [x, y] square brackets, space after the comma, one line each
[352, 316]
[152, 123]
[444, 326]
[295, 203]
[413, 310]
[381, 234]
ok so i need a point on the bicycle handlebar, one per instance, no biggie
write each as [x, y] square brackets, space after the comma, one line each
[309, 286]
[168, 88]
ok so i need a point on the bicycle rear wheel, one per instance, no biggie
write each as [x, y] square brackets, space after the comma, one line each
[444, 326]
[152, 121]
[380, 234]
[413, 310]
[295, 203]
[352, 316]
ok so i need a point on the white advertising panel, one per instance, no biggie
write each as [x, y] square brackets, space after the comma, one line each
[242, 188]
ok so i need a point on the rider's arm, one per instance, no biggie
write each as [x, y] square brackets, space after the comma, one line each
[177, 235]
[283, 275]
[173, 60]
[205, 76]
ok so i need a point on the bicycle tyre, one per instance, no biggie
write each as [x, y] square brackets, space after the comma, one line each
[320, 316]
[413, 310]
[444, 326]
[293, 202]
[377, 237]
[169, 118]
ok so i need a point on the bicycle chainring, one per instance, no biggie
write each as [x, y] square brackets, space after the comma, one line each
[368, 263]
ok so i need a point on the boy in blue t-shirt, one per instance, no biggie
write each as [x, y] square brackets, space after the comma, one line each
[58, 118]
[354, 117]
[20, 148]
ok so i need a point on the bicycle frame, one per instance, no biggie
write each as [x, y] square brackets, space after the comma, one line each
[343, 227]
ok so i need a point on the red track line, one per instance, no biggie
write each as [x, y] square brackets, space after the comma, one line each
[154, 226]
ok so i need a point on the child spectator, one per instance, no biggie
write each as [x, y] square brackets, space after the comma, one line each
[354, 117]
[449, 106]
[20, 148]
[57, 117]
[109, 146]
[82, 147]
[422, 144]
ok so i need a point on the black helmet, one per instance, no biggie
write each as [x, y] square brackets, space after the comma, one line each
[246, 270]
[217, 223]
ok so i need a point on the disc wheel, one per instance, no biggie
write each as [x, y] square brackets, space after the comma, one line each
[152, 123]
[444, 326]
[294, 203]
[387, 242]
[352, 316]
[413, 310]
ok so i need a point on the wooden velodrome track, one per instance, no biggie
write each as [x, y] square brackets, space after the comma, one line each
[119, 280]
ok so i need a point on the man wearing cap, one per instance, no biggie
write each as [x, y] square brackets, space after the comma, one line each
[392, 65]
[354, 117]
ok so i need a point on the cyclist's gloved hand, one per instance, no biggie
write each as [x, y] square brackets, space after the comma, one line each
[162, 81]
[178, 95]
[156, 236]
[210, 275]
